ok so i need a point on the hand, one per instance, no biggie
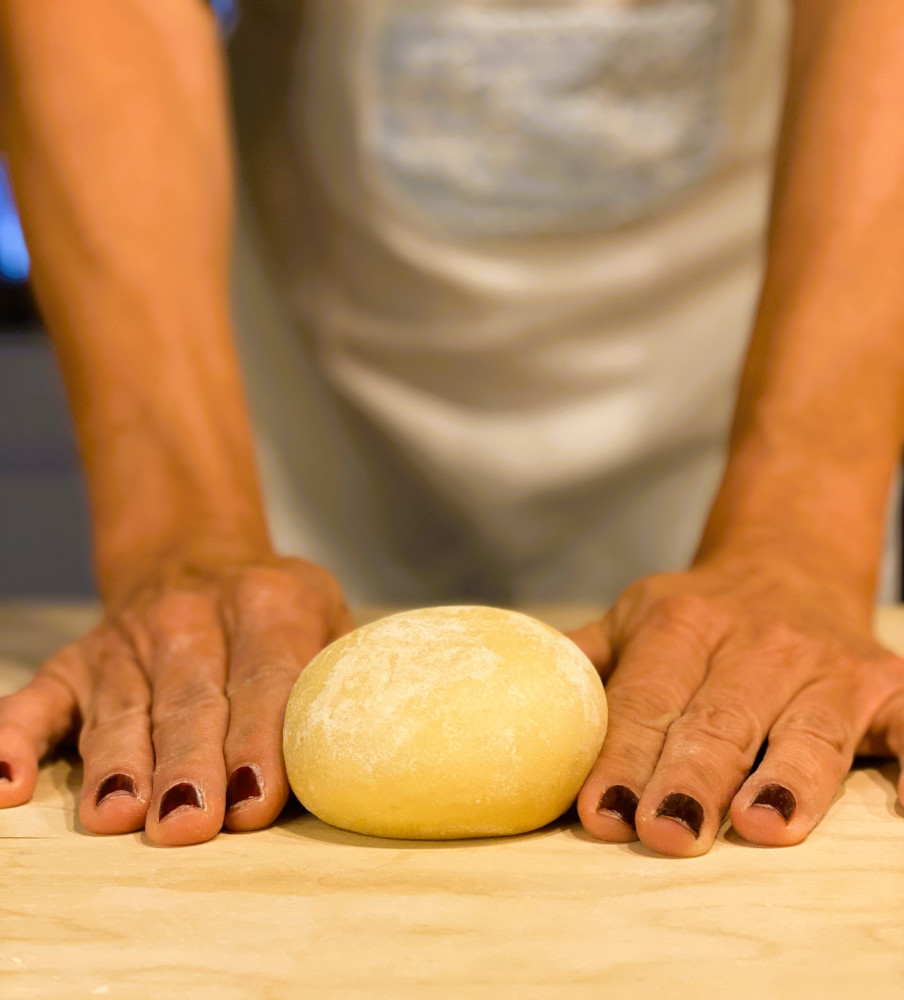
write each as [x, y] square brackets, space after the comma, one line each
[705, 665]
[178, 699]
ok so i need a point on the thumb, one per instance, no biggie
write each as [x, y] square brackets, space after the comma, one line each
[596, 642]
[889, 723]
[32, 722]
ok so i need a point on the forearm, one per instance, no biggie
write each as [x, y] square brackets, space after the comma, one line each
[818, 426]
[115, 128]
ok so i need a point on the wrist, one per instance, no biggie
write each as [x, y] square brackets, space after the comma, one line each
[202, 550]
[797, 505]
[173, 505]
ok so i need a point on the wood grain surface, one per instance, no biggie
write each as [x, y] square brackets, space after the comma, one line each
[303, 910]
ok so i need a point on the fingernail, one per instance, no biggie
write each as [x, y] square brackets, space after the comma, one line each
[777, 797]
[243, 785]
[183, 794]
[6, 772]
[113, 785]
[685, 809]
[621, 802]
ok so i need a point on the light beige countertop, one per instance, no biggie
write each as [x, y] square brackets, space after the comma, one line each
[304, 910]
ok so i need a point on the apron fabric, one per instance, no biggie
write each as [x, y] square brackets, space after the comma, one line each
[496, 271]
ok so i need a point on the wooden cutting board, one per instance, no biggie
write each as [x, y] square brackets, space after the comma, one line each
[303, 910]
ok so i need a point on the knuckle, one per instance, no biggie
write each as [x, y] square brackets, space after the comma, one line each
[113, 717]
[105, 650]
[67, 674]
[67, 666]
[113, 703]
[265, 674]
[691, 620]
[725, 721]
[193, 699]
[645, 705]
[781, 641]
[630, 599]
[321, 590]
[640, 596]
[319, 577]
[821, 726]
[685, 607]
[177, 611]
[280, 591]
[262, 588]
[690, 615]
[299, 595]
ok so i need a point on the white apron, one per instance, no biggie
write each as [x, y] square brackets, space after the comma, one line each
[497, 269]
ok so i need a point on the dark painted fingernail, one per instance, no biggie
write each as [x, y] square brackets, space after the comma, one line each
[113, 785]
[621, 802]
[183, 794]
[685, 809]
[777, 797]
[6, 772]
[243, 785]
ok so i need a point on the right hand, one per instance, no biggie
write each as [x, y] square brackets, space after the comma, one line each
[178, 697]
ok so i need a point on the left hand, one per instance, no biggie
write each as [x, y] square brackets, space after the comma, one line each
[178, 696]
[701, 667]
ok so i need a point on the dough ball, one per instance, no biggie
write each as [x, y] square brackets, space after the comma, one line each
[444, 723]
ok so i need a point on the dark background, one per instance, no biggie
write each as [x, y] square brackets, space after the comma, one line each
[44, 547]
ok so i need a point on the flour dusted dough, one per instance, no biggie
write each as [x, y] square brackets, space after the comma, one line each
[443, 723]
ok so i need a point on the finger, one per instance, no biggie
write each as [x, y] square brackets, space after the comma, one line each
[656, 675]
[892, 722]
[885, 735]
[263, 670]
[595, 643]
[811, 748]
[710, 749]
[115, 740]
[32, 722]
[189, 718]
[270, 642]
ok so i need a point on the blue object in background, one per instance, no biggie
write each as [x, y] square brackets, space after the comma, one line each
[227, 12]
[14, 262]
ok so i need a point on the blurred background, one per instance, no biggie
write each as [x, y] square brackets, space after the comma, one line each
[44, 548]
